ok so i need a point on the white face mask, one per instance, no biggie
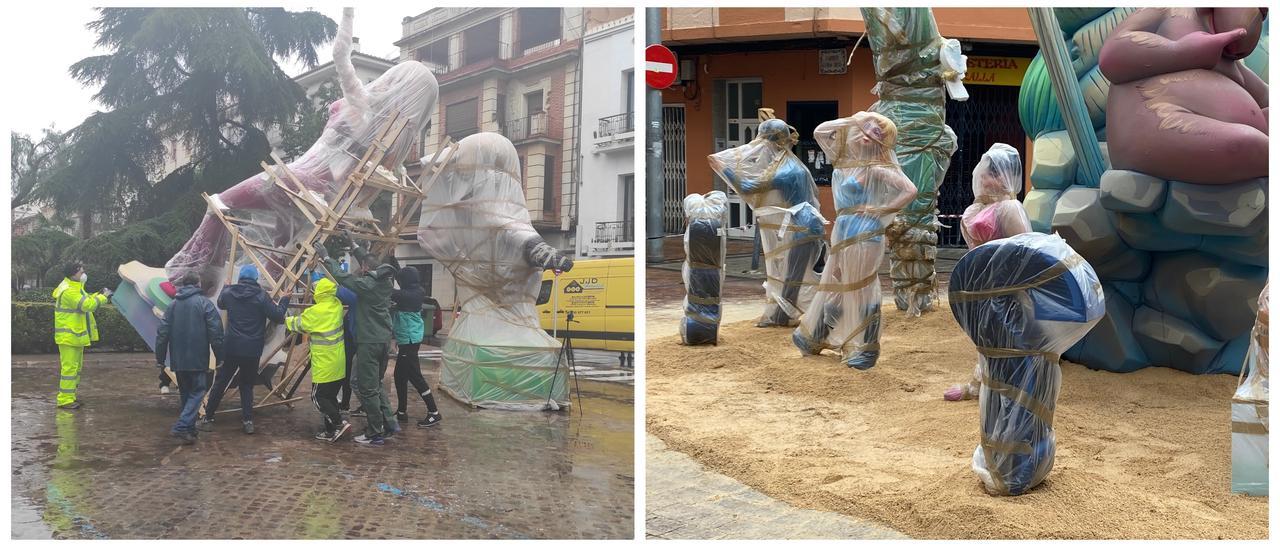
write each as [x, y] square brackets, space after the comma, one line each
[84, 276]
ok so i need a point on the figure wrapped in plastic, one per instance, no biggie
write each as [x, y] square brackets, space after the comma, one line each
[354, 122]
[1249, 425]
[913, 65]
[1023, 300]
[474, 220]
[870, 189]
[704, 255]
[408, 89]
[995, 213]
[780, 190]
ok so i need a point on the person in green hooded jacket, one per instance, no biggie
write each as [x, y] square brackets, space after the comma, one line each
[372, 287]
[323, 322]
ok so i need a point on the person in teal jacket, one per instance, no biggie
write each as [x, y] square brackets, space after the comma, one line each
[406, 318]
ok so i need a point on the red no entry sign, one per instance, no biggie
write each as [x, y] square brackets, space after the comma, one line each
[659, 66]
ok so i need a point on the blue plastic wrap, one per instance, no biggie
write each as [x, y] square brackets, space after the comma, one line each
[703, 270]
[1024, 301]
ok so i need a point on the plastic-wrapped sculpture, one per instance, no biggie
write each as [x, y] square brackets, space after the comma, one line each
[703, 270]
[780, 190]
[474, 220]
[995, 213]
[1023, 300]
[1182, 258]
[1249, 421]
[915, 68]
[407, 88]
[869, 189]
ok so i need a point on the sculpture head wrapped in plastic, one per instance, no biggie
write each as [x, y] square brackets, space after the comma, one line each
[407, 90]
[782, 193]
[869, 189]
[474, 220]
[996, 212]
[1023, 300]
[703, 269]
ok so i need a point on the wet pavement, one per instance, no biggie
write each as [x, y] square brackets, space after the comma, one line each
[110, 470]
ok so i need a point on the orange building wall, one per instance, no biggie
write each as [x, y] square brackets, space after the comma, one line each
[744, 24]
[787, 76]
[793, 76]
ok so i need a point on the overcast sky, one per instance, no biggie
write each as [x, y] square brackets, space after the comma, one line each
[42, 40]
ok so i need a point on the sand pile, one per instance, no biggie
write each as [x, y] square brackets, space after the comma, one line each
[1140, 455]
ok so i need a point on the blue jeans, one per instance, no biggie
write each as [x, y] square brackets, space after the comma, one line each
[192, 386]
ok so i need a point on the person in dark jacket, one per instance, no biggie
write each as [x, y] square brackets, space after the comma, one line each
[372, 287]
[407, 320]
[248, 309]
[191, 328]
[348, 299]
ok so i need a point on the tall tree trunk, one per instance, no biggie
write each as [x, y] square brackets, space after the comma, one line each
[86, 223]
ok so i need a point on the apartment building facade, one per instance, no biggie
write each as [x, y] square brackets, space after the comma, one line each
[606, 208]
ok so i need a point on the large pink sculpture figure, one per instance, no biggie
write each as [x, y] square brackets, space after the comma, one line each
[408, 88]
[1182, 107]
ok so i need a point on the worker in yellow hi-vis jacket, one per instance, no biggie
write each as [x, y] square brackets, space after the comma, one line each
[323, 321]
[74, 328]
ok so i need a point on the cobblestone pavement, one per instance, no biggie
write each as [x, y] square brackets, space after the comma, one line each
[110, 470]
[684, 500]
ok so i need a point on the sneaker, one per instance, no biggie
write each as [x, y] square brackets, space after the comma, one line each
[72, 405]
[401, 416]
[359, 412]
[324, 436]
[205, 424]
[431, 420]
[366, 440]
[346, 426]
[248, 427]
[187, 438]
[164, 389]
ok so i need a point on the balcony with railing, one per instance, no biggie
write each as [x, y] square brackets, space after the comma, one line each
[617, 132]
[466, 60]
[613, 238]
[527, 127]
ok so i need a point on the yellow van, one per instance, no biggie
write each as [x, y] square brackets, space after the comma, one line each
[601, 295]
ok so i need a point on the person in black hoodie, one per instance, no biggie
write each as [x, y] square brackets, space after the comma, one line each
[406, 319]
[248, 309]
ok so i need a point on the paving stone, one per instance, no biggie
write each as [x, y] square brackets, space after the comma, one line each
[109, 470]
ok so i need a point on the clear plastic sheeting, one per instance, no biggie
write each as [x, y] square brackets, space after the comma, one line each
[1023, 300]
[912, 84]
[1250, 426]
[780, 190]
[869, 189]
[703, 269]
[474, 220]
[356, 121]
[995, 213]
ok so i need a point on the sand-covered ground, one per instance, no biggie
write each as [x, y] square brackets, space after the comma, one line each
[1140, 455]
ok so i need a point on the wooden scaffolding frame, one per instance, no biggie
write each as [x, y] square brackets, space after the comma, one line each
[327, 218]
